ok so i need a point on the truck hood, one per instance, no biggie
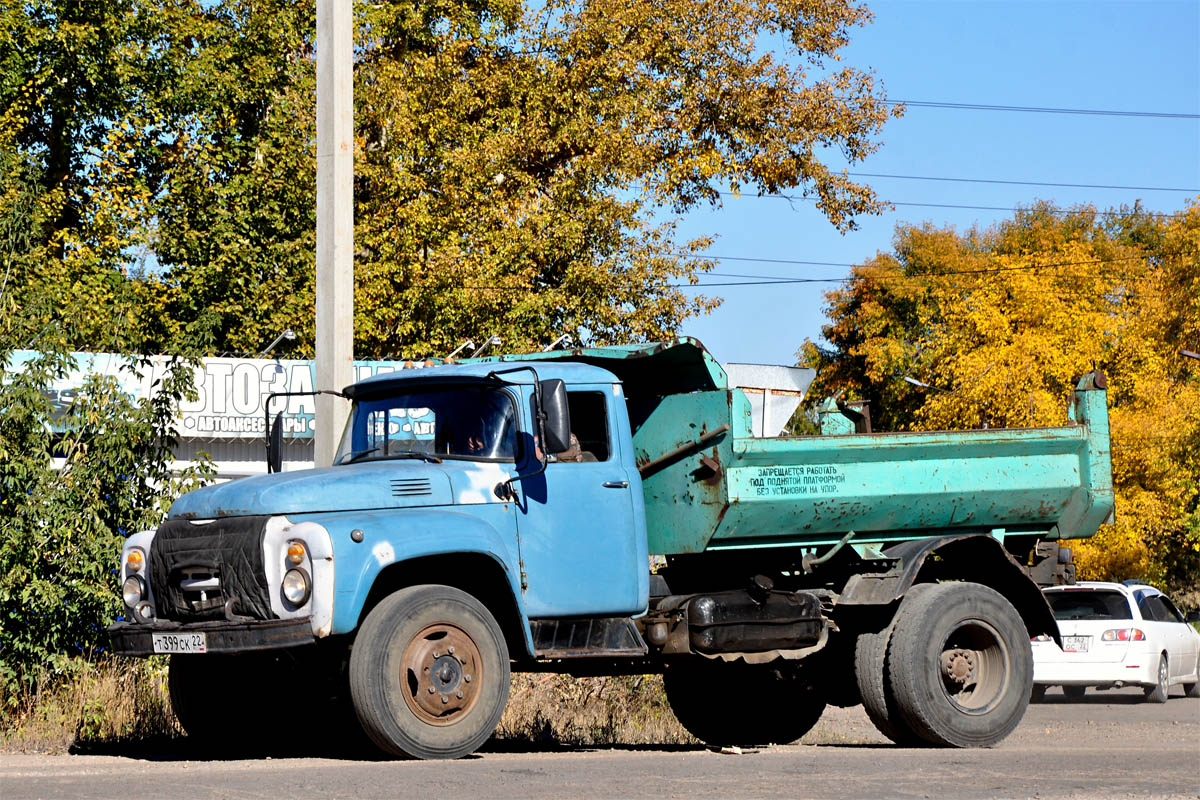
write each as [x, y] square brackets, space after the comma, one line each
[369, 485]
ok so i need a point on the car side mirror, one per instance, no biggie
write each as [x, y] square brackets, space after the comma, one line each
[275, 444]
[558, 416]
[1193, 616]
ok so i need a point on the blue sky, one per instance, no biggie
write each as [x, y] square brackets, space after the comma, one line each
[1126, 56]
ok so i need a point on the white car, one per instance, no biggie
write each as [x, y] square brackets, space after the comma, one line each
[1116, 635]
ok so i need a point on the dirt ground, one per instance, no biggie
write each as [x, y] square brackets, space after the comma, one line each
[1108, 745]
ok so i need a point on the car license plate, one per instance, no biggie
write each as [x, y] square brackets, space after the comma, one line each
[1076, 644]
[179, 642]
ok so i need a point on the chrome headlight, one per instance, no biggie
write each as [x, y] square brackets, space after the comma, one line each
[297, 586]
[133, 590]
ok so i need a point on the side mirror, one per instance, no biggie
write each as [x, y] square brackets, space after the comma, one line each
[1193, 616]
[275, 444]
[558, 416]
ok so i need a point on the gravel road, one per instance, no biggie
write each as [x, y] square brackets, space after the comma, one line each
[1108, 745]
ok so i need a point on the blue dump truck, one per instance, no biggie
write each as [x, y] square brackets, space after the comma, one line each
[607, 511]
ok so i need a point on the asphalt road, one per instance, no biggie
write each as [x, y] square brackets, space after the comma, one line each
[1108, 745]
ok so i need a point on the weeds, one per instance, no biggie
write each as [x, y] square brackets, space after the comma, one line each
[562, 710]
[110, 701]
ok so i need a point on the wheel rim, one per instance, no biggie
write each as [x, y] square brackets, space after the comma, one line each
[1162, 675]
[974, 666]
[440, 674]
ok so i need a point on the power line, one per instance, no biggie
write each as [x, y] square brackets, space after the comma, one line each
[1009, 209]
[1095, 112]
[1020, 183]
[775, 280]
[1051, 265]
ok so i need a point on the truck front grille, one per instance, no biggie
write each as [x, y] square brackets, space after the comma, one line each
[196, 569]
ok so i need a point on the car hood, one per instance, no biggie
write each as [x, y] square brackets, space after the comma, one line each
[355, 487]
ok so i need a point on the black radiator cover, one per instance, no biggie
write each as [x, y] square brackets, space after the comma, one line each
[732, 622]
[231, 547]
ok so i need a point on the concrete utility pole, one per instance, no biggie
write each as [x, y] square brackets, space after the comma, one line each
[335, 220]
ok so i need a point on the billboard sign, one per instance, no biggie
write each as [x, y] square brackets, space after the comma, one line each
[230, 391]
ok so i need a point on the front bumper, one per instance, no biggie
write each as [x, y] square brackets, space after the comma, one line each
[133, 639]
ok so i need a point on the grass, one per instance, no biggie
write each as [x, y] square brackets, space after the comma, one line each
[95, 703]
[549, 709]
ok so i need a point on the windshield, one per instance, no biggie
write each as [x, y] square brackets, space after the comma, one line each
[1089, 604]
[471, 422]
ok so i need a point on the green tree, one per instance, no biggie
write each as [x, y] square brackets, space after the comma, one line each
[510, 158]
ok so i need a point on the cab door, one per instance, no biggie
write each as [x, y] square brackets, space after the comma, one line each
[577, 525]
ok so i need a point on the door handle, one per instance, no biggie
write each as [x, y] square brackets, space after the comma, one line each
[616, 484]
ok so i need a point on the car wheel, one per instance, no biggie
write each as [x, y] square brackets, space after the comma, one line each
[429, 673]
[1192, 688]
[1074, 692]
[1158, 692]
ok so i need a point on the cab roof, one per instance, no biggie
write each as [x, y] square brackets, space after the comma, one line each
[676, 366]
[479, 371]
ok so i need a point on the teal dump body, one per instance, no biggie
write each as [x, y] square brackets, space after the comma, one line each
[709, 484]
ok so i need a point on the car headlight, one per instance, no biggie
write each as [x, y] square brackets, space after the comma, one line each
[133, 590]
[296, 586]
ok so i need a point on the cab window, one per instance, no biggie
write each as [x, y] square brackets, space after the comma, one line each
[589, 428]
[470, 422]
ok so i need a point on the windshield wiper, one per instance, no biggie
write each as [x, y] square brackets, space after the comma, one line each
[430, 457]
[361, 455]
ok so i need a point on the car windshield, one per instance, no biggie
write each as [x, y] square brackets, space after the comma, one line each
[469, 422]
[1089, 604]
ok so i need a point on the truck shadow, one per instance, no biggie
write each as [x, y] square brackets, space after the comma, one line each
[180, 749]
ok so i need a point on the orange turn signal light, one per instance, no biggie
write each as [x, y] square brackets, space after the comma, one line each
[134, 560]
[295, 553]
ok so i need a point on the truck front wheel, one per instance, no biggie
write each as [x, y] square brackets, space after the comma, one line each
[734, 703]
[219, 700]
[960, 665]
[429, 673]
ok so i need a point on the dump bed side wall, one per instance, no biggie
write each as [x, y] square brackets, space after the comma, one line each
[885, 487]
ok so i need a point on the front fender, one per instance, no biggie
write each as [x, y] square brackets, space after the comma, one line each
[390, 537]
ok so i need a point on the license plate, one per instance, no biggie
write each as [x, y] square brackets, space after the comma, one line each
[1076, 644]
[179, 642]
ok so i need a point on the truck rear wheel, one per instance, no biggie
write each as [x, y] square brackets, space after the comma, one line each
[960, 665]
[734, 703]
[429, 673]
[871, 674]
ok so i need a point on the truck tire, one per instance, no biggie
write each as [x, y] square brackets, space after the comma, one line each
[1074, 692]
[735, 703]
[960, 665]
[429, 673]
[870, 671]
[1038, 693]
[218, 700]
[1159, 691]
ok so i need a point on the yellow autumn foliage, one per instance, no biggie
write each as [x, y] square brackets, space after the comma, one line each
[1003, 321]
